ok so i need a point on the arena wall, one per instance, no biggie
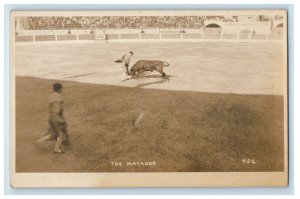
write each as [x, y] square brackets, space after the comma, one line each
[206, 35]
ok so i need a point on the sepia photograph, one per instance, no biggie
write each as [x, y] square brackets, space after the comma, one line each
[149, 98]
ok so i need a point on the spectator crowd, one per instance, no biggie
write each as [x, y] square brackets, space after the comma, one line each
[118, 22]
[126, 22]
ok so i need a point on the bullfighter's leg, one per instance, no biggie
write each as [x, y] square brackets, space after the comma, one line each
[62, 138]
[127, 71]
[125, 75]
[51, 134]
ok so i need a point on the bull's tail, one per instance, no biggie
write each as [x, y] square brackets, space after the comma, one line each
[166, 64]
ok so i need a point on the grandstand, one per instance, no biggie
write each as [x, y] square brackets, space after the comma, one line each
[129, 28]
[113, 22]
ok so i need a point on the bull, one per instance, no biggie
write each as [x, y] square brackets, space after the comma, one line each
[148, 65]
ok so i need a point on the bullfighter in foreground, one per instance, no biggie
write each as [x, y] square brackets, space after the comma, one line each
[57, 123]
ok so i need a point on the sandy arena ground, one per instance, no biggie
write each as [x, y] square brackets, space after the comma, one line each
[245, 68]
[222, 104]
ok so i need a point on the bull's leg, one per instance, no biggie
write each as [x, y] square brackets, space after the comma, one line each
[134, 74]
[162, 73]
[140, 71]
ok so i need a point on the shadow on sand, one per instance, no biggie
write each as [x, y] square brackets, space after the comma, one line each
[163, 80]
[167, 77]
[151, 83]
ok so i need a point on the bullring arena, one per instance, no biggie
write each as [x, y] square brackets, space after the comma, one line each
[221, 104]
